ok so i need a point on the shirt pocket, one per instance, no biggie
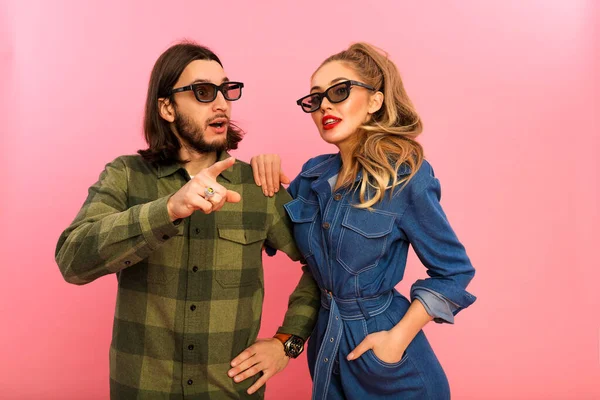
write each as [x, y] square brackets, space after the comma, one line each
[239, 255]
[303, 214]
[363, 238]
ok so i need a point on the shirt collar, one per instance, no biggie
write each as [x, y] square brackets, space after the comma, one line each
[170, 169]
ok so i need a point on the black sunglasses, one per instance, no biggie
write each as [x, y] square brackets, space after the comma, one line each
[335, 94]
[206, 92]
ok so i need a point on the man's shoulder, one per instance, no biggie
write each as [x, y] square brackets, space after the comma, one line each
[243, 172]
[253, 192]
[133, 163]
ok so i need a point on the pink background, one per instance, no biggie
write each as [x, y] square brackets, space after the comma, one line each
[508, 91]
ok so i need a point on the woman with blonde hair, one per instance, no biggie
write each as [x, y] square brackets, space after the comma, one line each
[355, 213]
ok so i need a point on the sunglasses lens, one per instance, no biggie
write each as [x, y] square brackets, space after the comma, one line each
[205, 92]
[232, 91]
[311, 103]
[338, 93]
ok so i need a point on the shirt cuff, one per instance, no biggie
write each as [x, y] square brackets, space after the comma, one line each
[155, 222]
[440, 308]
[270, 250]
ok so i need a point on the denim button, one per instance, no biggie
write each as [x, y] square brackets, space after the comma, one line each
[331, 340]
[326, 359]
[337, 197]
[326, 225]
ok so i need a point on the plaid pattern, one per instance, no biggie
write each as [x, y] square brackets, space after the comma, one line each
[189, 295]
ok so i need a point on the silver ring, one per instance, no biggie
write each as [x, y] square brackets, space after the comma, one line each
[209, 192]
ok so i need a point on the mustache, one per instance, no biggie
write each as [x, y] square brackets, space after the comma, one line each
[218, 116]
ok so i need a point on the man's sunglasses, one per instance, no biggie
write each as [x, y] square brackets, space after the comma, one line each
[206, 92]
[335, 94]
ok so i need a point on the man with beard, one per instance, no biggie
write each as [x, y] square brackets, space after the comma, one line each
[182, 225]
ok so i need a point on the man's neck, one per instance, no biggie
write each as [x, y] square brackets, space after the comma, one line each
[198, 161]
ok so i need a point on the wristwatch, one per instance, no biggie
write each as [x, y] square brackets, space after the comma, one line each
[292, 345]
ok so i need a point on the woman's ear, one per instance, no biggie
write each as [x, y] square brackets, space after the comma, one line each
[375, 102]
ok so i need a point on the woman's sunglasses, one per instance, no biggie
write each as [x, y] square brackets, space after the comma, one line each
[206, 92]
[335, 94]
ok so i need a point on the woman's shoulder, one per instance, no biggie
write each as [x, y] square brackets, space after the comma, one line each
[316, 162]
[422, 178]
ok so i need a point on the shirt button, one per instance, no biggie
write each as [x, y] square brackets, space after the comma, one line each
[337, 197]
[127, 262]
[191, 347]
[165, 237]
[192, 307]
[197, 230]
[325, 225]
[190, 381]
[195, 269]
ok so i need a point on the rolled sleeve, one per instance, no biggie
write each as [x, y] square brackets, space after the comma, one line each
[437, 246]
[441, 309]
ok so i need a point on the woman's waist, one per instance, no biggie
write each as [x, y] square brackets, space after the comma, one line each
[353, 308]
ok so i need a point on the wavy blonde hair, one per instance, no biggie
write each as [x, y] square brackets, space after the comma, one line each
[387, 140]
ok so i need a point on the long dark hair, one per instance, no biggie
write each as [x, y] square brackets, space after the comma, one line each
[163, 145]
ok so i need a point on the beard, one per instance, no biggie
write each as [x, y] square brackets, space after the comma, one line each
[192, 136]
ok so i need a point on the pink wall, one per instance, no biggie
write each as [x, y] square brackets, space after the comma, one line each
[508, 91]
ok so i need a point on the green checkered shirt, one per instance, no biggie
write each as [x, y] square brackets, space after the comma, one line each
[190, 294]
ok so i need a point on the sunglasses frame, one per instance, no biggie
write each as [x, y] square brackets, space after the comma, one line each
[321, 95]
[218, 88]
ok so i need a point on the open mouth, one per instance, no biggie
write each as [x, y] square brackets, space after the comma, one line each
[219, 123]
[329, 122]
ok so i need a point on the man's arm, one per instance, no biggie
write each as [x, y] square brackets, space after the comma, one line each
[267, 355]
[305, 300]
[108, 236]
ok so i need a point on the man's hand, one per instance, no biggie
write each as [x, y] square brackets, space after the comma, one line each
[264, 355]
[192, 196]
[267, 173]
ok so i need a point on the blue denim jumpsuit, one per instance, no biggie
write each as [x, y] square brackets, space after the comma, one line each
[357, 257]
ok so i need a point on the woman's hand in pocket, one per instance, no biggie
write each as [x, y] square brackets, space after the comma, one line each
[387, 346]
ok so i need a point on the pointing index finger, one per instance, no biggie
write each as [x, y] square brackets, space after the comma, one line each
[215, 170]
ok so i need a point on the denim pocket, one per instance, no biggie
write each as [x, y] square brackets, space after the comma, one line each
[387, 379]
[303, 214]
[363, 238]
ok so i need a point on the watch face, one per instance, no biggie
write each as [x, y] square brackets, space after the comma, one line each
[294, 346]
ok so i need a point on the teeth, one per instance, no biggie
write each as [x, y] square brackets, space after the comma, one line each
[330, 121]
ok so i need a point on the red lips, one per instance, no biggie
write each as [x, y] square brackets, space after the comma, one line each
[330, 122]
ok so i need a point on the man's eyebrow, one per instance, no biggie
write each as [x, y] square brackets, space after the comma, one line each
[226, 79]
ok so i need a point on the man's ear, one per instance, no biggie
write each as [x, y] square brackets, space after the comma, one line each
[166, 109]
[375, 102]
